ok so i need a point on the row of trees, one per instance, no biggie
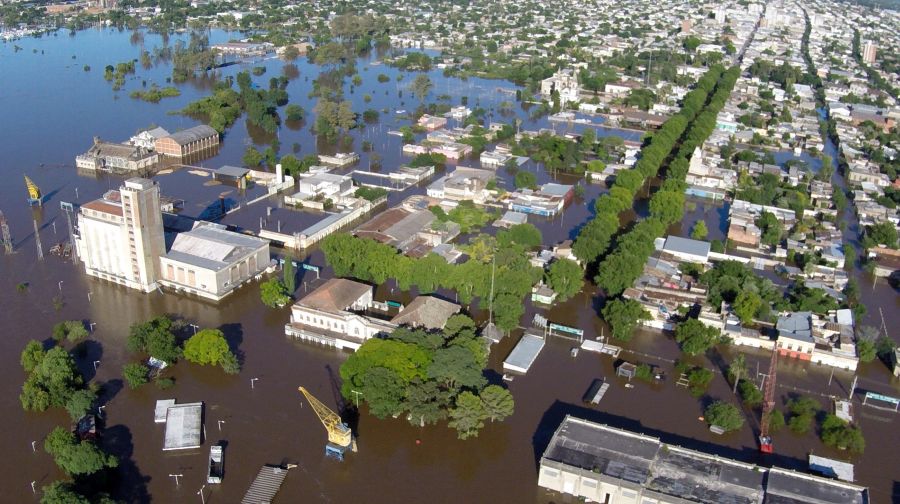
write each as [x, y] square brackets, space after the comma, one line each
[595, 238]
[54, 381]
[619, 270]
[372, 261]
[430, 376]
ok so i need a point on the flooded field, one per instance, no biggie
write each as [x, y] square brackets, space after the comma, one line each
[52, 109]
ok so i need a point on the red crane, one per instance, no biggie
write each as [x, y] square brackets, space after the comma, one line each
[765, 441]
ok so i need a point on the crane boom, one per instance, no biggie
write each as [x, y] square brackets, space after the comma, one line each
[34, 192]
[765, 441]
[338, 432]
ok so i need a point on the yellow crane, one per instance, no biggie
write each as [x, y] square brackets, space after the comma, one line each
[34, 192]
[340, 438]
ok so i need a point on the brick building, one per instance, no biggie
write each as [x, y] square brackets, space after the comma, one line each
[189, 141]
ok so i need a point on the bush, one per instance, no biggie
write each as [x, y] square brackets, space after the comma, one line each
[165, 383]
[725, 415]
[839, 434]
[750, 394]
[135, 374]
[698, 380]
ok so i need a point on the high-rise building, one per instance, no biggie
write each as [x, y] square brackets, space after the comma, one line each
[869, 51]
[120, 236]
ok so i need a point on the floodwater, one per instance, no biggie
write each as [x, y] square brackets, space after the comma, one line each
[52, 108]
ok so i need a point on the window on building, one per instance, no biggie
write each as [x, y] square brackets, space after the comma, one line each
[551, 473]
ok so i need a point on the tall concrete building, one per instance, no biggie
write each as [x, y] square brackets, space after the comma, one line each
[120, 236]
[869, 52]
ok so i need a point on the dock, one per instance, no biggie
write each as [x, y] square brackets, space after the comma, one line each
[266, 485]
[525, 352]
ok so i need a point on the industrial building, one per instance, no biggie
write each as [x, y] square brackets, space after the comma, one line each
[210, 261]
[603, 464]
[187, 142]
[116, 157]
[120, 236]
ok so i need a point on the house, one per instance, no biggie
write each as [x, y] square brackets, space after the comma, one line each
[686, 249]
[431, 122]
[543, 294]
[511, 219]
[211, 262]
[463, 184]
[547, 201]
[795, 335]
[186, 142]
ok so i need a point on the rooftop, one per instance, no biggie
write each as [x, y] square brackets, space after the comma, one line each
[193, 134]
[687, 474]
[335, 295]
[211, 246]
[426, 311]
[797, 325]
[183, 424]
[679, 245]
[232, 171]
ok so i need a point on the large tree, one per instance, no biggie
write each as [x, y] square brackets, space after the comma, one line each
[76, 457]
[154, 337]
[455, 367]
[207, 347]
[468, 416]
[623, 316]
[565, 277]
[421, 86]
[725, 415]
[52, 382]
[498, 402]
[695, 336]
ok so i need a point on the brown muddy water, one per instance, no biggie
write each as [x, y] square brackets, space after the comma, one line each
[55, 118]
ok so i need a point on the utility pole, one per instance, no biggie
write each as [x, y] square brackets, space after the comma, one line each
[853, 388]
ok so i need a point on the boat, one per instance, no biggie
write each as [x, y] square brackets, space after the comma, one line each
[216, 465]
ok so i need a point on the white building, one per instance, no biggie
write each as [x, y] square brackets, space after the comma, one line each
[210, 261]
[334, 315]
[565, 82]
[120, 236]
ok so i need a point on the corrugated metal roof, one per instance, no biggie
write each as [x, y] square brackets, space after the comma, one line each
[193, 134]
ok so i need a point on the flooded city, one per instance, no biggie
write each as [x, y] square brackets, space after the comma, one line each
[55, 101]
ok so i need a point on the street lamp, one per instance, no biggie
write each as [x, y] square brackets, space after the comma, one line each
[95, 365]
[252, 380]
[91, 326]
[220, 422]
[60, 285]
[100, 410]
[176, 476]
[89, 296]
[195, 327]
[200, 493]
[33, 446]
[32, 487]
